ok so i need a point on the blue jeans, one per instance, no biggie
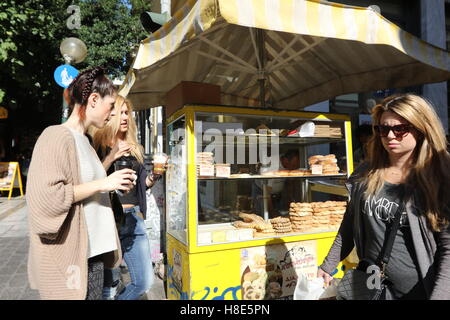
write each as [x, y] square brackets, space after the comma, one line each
[136, 251]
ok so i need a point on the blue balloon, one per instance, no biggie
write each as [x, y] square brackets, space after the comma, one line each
[64, 75]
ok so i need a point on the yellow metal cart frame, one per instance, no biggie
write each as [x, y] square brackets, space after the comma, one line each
[213, 271]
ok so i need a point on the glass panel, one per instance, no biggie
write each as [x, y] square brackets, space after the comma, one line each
[261, 165]
[177, 180]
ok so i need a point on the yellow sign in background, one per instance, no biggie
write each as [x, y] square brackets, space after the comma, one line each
[10, 177]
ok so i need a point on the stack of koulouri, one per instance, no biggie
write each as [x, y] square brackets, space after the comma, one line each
[281, 225]
[337, 214]
[328, 163]
[262, 228]
[321, 216]
[300, 214]
[328, 215]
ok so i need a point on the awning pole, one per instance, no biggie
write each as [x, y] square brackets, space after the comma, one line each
[260, 39]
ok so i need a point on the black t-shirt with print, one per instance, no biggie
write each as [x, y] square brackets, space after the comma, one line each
[402, 269]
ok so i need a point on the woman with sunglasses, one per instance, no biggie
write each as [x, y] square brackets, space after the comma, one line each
[407, 163]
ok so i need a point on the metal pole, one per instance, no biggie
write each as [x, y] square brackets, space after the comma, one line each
[65, 106]
[165, 7]
[65, 109]
[260, 39]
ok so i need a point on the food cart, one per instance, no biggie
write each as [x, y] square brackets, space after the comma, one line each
[276, 55]
[212, 252]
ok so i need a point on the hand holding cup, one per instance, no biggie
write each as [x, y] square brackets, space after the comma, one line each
[120, 180]
[160, 163]
[125, 165]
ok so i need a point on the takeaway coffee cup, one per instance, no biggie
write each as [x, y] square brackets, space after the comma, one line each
[122, 163]
[159, 163]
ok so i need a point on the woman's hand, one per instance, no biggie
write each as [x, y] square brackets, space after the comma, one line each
[119, 180]
[120, 149]
[326, 277]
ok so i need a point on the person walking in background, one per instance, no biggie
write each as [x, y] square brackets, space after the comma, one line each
[406, 156]
[72, 231]
[118, 141]
[363, 135]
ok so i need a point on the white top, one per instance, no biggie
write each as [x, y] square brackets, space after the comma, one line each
[97, 208]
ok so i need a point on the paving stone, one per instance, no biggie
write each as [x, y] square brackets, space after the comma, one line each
[22, 250]
[8, 269]
[18, 281]
[30, 294]
[4, 279]
[12, 293]
[15, 261]
[8, 251]
[14, 244]
[4, 229]
[19, 258]
[22, 269]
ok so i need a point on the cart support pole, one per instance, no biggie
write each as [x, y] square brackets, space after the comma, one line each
[266, 196]
[260, 39]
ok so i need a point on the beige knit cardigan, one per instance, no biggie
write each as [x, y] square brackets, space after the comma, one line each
[58, 253]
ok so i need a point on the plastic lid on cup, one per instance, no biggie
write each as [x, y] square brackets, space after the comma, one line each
[160, 157]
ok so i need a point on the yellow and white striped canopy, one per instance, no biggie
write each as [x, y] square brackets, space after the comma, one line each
[313, 51]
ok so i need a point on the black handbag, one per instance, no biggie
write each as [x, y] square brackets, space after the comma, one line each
[368, 280]
[117, 209]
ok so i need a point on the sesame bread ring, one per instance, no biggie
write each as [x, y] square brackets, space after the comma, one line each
[317, 156]
[279, 219]
[301, 214]
[304, 205]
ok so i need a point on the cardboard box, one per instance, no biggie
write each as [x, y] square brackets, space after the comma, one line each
[188, 92]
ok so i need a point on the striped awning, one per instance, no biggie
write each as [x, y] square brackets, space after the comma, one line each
[308, 51]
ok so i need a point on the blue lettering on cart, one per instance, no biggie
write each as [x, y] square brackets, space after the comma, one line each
[208, 296]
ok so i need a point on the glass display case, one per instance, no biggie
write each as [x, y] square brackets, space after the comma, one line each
[250, 191]
[176, 177]
[246, 168]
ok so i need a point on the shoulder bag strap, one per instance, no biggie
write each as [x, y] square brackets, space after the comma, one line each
[391, 232]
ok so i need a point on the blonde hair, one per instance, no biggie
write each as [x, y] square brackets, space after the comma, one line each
[430, 173]
[107, 136]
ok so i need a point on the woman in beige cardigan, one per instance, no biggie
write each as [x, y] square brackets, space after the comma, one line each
[72, 229]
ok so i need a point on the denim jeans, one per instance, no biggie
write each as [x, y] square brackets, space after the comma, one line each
[136, 251]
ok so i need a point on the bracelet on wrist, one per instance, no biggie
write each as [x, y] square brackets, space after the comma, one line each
[156, 177]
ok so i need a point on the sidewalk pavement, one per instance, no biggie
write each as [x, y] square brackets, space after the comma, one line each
[14, 255]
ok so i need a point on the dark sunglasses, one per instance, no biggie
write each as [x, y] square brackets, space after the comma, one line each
[399, 130]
